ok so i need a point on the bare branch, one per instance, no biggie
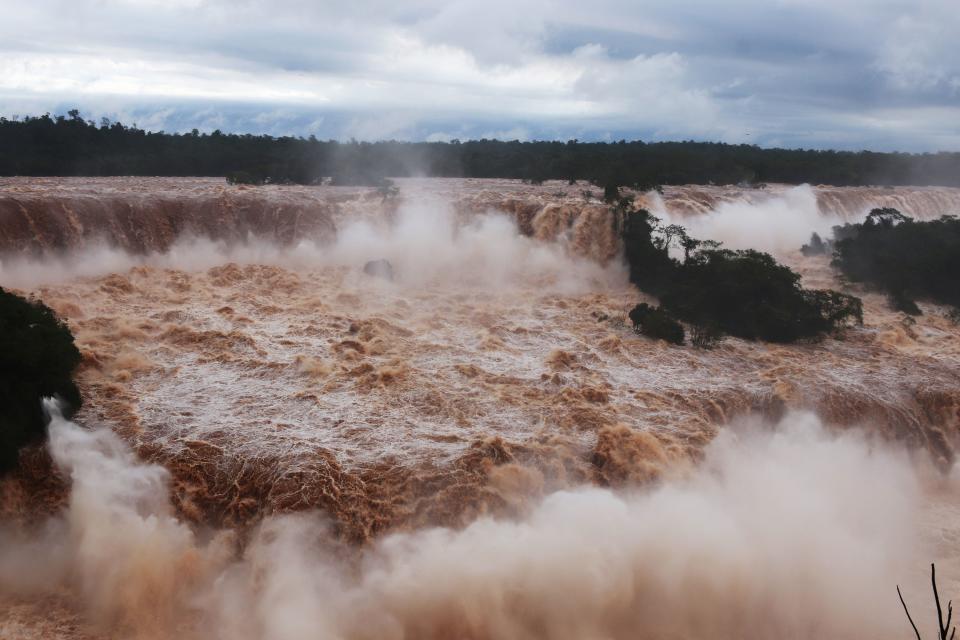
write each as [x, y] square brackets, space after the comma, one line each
[907, 611]
[936, 598]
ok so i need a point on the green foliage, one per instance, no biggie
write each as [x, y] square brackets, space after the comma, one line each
[37, 359]
[741, 293]
[387, 189]
[900, 302]
[651, 267]
[242, 177]
[816, 247]
[906, 258]
[611, 193]
[68, 145]
[656, 323]
[749, 295]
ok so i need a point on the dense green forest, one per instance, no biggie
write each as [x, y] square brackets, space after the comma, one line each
[71, 146]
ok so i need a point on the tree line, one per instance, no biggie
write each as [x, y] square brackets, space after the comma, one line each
[69, 145]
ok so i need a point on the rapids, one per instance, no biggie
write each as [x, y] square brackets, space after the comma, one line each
[231, 337]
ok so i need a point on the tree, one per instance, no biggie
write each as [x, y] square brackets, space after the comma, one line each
[37, 359]
[944, 629]
[886, 217]
[816, 247]
[746, 294]
[62, 145]
[656, 323]
[611, 192]
[905, 258]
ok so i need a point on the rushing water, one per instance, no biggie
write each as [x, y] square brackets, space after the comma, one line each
[232, 337]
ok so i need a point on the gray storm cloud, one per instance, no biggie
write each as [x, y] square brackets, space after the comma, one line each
[881, 75]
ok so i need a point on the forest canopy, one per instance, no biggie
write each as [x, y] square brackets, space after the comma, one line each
[69, 145]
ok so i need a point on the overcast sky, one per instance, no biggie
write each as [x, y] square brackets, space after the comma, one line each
[845, 74]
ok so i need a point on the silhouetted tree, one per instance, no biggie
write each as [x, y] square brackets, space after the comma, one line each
[37, 359]
[816, 247]
[944, 629]
[741, 293]
[906, 258]
[656, 323]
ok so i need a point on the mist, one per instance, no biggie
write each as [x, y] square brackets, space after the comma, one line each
[778, 224]
[787, 530]
[458, 321]
[426, 236]
[316, 369]
[425, 241]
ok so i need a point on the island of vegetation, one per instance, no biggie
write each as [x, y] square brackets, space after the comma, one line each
[746, 294]
[905, 258]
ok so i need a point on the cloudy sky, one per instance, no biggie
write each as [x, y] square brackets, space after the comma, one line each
[849, 74]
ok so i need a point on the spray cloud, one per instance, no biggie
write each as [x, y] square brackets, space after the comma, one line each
[778, 223]
[426, 242]
[787, 532]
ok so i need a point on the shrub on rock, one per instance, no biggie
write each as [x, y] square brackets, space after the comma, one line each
[656, 323]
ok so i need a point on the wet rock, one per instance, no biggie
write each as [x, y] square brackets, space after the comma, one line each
[379, 269]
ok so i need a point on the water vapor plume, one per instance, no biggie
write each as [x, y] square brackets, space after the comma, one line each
[779, 223]
[118, 545]
[424, 240]
[785, 532]
[428, 243]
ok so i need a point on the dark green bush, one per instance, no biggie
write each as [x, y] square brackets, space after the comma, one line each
[244, 177]
[900, 302]
[611, 193]
[37, 359]
[359, 178]
[741, 293]
[906, 258]
[656, 323]
[816, 247]
[749, 295]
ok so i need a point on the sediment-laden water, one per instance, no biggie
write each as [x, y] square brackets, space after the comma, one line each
[272, 437]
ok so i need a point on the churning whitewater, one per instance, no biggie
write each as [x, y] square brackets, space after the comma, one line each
[732, 536]
[278, 443]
